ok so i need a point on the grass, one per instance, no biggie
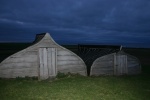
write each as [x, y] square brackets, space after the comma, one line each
[77, 88]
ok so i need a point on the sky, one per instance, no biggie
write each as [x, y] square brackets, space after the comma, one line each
[108, 22]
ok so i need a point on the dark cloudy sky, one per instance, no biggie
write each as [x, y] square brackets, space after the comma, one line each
[121, 22]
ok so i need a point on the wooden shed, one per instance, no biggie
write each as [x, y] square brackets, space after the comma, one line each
[44, 59]
[119, 63]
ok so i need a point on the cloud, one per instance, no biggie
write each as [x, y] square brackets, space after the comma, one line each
[86, 21]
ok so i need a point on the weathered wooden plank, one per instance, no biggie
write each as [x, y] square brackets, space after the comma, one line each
[21, 59]
[17, 75]
[12, 73]
[49, 50]
[104, 64]
[74, 62]
[67, 58]
[70, 67]
[103, 72]
[19, 70]
[104, 68]
[107, 58]
[52, 61]
[103, 61]
[43, 63]
[18, 65]
[23, 74]
[79, 71]
[31, 52]
[64, 53]
[121, 65]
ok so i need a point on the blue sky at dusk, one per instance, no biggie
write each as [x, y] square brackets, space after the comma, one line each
[119, 22]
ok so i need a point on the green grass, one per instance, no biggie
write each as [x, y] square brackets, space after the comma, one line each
[77, 88]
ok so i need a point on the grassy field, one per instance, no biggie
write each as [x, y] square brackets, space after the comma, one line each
[77, 88]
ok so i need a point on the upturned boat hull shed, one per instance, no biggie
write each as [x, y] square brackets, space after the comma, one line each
[119, 63]
[44, 59]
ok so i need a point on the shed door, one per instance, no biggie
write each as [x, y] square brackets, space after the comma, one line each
[121, 65]
[47, 59]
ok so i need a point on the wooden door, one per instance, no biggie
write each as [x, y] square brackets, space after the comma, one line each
[52, 61]
[121, 65]
[47, 59]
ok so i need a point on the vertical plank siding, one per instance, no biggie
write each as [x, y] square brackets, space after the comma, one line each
[47, 62]
[43, 63]
[52, 61]
[121, 65]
